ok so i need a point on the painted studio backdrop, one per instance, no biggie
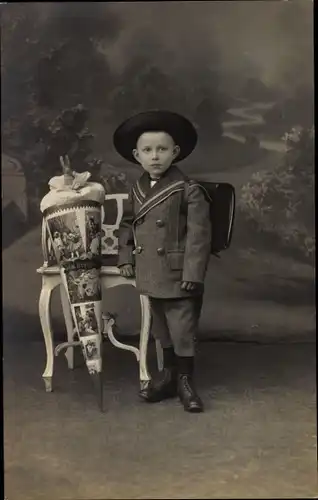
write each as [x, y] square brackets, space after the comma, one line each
[241, 71]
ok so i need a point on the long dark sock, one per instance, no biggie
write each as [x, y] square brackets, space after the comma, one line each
[169, 357]
[186, 365]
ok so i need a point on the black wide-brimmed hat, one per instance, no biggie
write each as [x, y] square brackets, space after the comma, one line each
[181, 130]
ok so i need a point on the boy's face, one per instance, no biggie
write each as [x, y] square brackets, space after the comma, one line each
[155, 151]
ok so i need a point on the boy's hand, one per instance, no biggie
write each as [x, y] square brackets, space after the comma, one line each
[127, 271]
[189, 286]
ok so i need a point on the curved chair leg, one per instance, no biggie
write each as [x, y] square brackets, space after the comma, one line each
[109, 322]
[44, 312]
[159, 352]
[69, 353]
[144, 340]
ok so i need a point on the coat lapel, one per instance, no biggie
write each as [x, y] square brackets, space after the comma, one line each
[141, 188]
[172, 181]
[173, 174]
[143, 185]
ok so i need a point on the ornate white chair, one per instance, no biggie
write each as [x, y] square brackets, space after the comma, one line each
[110, 278]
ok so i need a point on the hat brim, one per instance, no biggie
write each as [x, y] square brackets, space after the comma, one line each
[180, 128]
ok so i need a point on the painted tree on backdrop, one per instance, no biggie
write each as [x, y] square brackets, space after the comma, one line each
[50, 62]
[280, 202]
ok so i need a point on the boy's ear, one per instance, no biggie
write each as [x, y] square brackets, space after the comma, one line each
[176, 151]
[136, 155]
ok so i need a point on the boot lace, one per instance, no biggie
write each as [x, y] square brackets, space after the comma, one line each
[186, 384]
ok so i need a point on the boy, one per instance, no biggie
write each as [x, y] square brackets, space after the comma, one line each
[165, 244]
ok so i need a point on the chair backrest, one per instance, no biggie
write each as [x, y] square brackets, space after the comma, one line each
[112, 213]
[110, 222]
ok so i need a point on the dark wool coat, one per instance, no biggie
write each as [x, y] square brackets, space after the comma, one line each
[165, 241]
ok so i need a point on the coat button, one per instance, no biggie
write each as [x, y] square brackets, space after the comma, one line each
[160, 223]
[160, 251]
[138, 249]
[139, 222]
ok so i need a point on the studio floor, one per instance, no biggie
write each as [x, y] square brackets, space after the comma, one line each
[256, 439]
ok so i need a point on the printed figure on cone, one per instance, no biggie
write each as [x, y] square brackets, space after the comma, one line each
[67, 239]
[72, 212]
[84, 285]
[91, 349]
[86, 319]
[166, 244]
[93, 235]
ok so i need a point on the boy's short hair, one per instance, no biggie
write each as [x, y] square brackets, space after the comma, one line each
[178, 127]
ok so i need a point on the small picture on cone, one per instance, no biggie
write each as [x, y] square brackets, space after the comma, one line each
[86, 320]
[94, 366]
[93, 233]
[66, 236]
[90, 347]
[84, 285]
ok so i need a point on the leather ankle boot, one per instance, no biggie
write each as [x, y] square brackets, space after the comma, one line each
[191, 401]
[166, 387]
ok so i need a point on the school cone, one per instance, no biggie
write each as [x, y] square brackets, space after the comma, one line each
[72, 212]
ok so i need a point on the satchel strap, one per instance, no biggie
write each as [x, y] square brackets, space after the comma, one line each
[189, 183]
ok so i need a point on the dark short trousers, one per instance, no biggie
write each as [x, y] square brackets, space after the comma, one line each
[175, 323]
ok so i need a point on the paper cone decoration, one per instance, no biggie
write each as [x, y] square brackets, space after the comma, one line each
[73, 220]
